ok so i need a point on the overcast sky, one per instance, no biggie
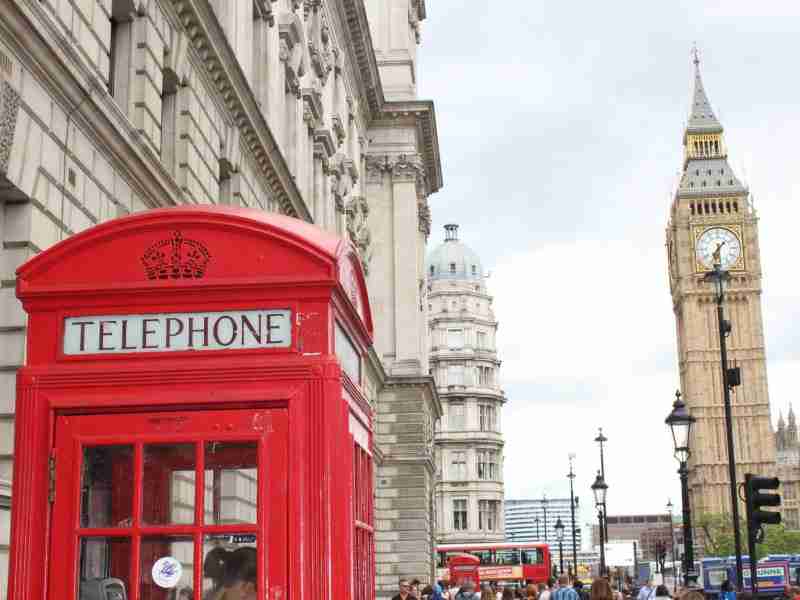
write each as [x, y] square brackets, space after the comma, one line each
[560, 129]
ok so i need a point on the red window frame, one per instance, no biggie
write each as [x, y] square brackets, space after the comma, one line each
[267, 427]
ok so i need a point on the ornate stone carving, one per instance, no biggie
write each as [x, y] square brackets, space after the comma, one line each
[9, 112]
[341, 180]
[338, 128]
[292, 51]
[424, 216]
[312, 104]
[407, 167]
[357, 213]
[414, 18]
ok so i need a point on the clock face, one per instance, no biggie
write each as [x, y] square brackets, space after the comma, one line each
[718, 244]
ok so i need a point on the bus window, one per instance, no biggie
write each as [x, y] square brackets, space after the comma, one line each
[531, 556]
[485, 556]
[507, 557]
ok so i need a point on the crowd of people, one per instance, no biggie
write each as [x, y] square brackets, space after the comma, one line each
[564, 588]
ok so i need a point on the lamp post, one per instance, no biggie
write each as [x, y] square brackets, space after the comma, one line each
[680, 422]
[672, 543]
[599, 489]
[536, 522]
[559, 526]
[544, 508]
[601, 439]
[719, 278]
[572, 504]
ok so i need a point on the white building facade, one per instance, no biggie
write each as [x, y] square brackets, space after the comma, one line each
[303, 107]
[534, 520]
[464, 362]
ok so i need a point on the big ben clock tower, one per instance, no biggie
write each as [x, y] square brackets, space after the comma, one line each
[712, 213]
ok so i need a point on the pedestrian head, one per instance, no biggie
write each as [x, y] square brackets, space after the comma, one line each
[468, 586]
[508, 594]
[601, 589]
[241, 569]
[531, 591]
[662, 591]
[695, 595]
[563, 580]
[487, 593]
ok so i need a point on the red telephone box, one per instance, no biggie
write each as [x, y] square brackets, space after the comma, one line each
[190, 419]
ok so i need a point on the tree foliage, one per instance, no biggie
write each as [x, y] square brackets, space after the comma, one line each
[715, 535]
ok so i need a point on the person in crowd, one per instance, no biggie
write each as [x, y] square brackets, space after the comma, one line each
[404, 590]
[414, 591]
[564, 591]
[498, 590]
[531, 593]
[240, 575]
[648, 591]
[467, 592]
[487, 593]
[581, 591]
[601, 589]
[438, 590]
[662, 593]
[506, 593]
[548, 589]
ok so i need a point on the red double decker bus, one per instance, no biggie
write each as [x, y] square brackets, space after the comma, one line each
[512, 564]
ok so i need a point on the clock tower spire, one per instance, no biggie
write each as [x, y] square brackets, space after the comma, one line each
[712, 217]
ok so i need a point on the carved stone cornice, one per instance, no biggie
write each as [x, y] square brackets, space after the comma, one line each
[312, 98]
[324, 144]
[338, 128]
[424, 216]
[357, 213]
[407, 167]
[424, 114]
[211, 44]
[263, 9]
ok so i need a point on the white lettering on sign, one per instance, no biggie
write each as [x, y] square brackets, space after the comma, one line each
[171, 332]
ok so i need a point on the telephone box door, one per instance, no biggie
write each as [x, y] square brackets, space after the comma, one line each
[170, 505]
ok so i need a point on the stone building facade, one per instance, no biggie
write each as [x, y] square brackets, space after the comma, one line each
[787, 457]
[464, 362]
[303, 107]
[712, 207]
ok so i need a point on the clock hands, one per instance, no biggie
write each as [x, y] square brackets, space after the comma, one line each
[717, 255]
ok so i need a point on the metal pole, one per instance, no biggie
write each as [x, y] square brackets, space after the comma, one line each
[688, 542]
[572, 513]
[674, 570]
[601, 439]
[536, 521]
[726, 391]
[602, 543]
[544, 501]
[560, 556]
[751, 543]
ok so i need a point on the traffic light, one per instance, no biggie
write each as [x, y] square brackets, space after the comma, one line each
[756, 498]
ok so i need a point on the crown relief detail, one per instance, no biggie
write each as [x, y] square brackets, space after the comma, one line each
[176, 258]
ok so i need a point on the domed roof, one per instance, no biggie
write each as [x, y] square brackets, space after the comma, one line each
[452, 259]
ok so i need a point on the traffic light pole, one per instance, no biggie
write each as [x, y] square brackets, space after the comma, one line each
[751, 538]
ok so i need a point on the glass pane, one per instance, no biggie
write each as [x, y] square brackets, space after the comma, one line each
[104, 566]
[168, 483]
[167, 566]
[230, 566]
[107, 486]
[231, 486]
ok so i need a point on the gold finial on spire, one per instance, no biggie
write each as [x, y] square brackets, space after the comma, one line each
[696, 54]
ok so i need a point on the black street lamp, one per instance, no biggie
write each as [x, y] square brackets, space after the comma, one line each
[601, 439]
[572, 505]
[719, 278]
[544, 508]
[672, 543]
[599, 489]
[559, 526]
[680, 422]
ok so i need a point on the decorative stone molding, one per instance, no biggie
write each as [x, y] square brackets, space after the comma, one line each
[341, 180]
[324, 146]
[206, 36]
[408, 167]
[357, 213]
[9, 113]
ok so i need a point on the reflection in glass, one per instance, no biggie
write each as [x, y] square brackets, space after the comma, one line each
[107, 486]
[230, 565]
[231, 482]
[173, 578]
[168, 484]
[103, 567]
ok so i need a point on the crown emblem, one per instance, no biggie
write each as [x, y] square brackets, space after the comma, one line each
[176, 258]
